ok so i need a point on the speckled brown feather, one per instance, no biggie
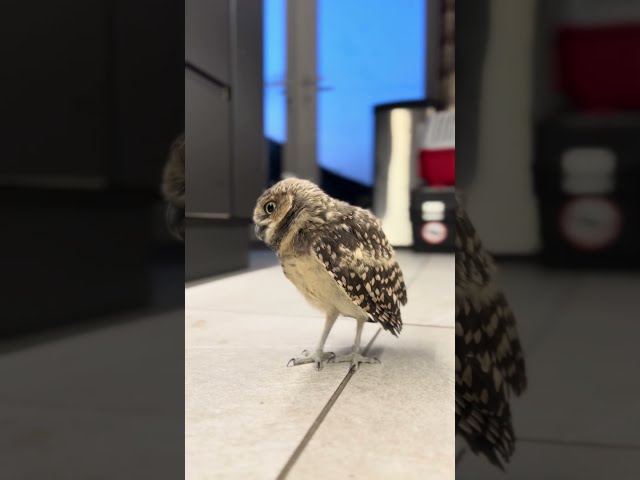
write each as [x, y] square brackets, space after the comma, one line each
[489, 358]
[356, 253]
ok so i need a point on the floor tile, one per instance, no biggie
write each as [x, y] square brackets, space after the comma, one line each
[36, 443]
[410, 262]
[551, 461]
[431, 293]
[148, 356]
[268, 291]
[579, 349]
[245, 410]
[538, 296]
[395, 420]
[211, 329]
[264, 291]
[568, 389]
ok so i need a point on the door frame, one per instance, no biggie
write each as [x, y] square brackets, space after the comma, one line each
[300, 149]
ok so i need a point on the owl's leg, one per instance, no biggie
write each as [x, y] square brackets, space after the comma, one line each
[355, 356]
[319, 356]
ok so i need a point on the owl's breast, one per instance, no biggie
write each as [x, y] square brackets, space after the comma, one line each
[317, 286]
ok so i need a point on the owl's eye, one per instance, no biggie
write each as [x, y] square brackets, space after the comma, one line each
[270, 207]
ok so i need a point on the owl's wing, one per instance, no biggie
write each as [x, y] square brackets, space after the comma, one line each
[356, 253]
[482, 309]
[483, 414]
[489, 358]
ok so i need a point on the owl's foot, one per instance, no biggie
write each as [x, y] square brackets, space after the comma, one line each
[355, 358]
[319, 358]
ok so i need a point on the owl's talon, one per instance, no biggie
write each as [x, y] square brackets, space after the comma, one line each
[319, 358]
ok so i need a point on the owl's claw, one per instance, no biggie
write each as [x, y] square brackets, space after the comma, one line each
[319, 358]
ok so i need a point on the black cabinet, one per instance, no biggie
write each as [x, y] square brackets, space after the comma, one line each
[147, 37]
[225, 147]
[92, 85]
[586, 175]
[249, 144]
[207, 147]
[208, 36]
[92, 97]
[54, 88]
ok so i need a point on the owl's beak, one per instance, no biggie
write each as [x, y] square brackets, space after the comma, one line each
[260, 230]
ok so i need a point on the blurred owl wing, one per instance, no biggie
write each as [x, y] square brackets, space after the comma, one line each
[359, 258]
[482, 309]
[489, 358]
[482, 396]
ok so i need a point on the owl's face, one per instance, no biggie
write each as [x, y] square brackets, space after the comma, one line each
[281, 205]
[271, 208]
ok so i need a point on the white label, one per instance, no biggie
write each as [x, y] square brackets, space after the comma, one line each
[588, 170]
[432, 210]
[441, 131]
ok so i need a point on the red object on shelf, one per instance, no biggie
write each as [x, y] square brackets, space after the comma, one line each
[438, 167]
[598, 66]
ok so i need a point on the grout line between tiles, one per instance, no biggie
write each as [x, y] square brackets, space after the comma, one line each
[426, 325]
[318, 421]
[273, 314]
[578, 443]
[247, 312]
[409, 282]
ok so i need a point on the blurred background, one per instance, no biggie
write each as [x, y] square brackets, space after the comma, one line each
[86, 130]
[92, 284]
[340, 93]
[547, 162]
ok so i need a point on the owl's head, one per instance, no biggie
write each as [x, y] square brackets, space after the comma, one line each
[284, 206]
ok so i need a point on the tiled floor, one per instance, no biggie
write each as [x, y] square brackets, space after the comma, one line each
[93, 402]
[249, 416]
[579, 417]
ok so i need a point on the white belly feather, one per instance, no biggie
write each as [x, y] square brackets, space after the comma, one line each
[318, 287]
